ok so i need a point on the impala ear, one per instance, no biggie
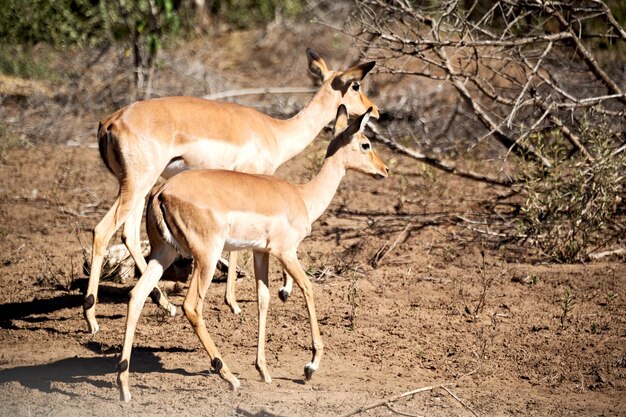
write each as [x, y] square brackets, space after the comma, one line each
[343, 80]
[359, 124]
[317, 66]
[353, 128]
[341, 121]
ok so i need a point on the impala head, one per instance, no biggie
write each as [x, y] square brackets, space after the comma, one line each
[345, 83]
[355, 148]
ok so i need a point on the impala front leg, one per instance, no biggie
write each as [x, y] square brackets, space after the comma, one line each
[261, 267]
[231, 280]
[292, 266]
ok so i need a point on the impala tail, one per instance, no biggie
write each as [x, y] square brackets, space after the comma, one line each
[108, 144]
[157, 222]
[103, 145]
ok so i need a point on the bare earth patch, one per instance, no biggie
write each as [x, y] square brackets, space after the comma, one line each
[407, 324]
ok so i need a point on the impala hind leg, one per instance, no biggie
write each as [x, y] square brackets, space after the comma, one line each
[131, 194]
[231, 281]
[131, 236]
[201, 278]
[261, 267]
[154, 270]
[102, 233]
[132, 239]
[292, 267]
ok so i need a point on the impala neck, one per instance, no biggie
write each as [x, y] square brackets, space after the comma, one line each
[295, 134]
[319, 192]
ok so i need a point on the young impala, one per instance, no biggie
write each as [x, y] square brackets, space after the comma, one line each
[161, 137]
[202, 212]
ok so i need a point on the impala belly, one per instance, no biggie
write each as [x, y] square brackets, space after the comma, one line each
[233, 245]
[219, 154]
[249, 230]
[246, 231]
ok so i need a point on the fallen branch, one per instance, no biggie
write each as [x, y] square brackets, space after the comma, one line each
[459, 400]
[436, 163]
[600, 255]
[393, 398]
[261, 90]
[386, 248]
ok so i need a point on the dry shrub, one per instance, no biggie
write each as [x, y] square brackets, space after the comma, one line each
[570, 207]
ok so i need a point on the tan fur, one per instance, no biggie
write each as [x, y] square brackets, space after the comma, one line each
[161, 137]
[204, 210]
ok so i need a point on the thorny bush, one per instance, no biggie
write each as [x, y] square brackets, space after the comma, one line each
[570, 207]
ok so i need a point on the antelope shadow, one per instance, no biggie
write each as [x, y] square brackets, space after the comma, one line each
[50, 377]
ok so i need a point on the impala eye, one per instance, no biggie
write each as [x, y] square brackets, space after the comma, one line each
[356, 86]
[365, 146]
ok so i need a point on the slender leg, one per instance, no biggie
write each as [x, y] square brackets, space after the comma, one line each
[102, 233]
[285, 291]
[293, 268]
[132, 239]
[138, 295]
[131, 235]
[261, 267]
[231, 301]
[194, 301]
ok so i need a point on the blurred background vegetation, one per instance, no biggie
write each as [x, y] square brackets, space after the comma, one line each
[143, 24]
[64, 23]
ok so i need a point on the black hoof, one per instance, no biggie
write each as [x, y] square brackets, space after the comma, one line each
[217, 364]
[283, 295]
[89, 302]
[308, 372]
[155, 295]
[122, 366]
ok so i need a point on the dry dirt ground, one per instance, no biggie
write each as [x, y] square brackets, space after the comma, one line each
[500, 336]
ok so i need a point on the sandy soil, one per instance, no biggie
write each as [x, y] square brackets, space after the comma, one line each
[430, 313]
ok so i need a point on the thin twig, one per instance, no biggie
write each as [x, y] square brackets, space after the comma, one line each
[618, 28]
[459, 400]
[386, 248]
[584, 53]
[528, 83]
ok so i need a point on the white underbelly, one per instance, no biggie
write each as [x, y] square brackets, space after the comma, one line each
[239, 244]
[248, 230]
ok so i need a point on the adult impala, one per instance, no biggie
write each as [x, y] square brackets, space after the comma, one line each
[161, 137]
[202, 212]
